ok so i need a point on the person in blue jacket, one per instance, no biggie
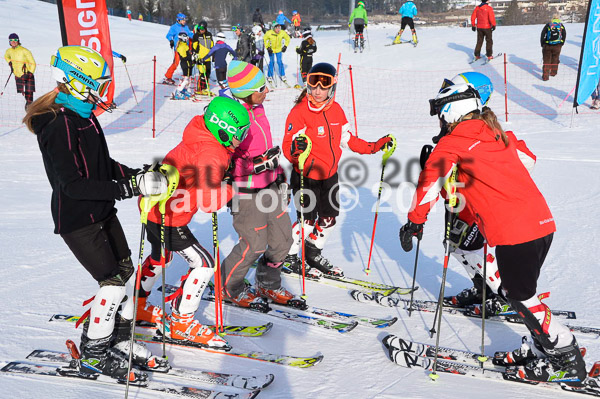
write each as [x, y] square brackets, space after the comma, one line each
[281, 20]
[172, 35]
[219, 53]
[408, 12]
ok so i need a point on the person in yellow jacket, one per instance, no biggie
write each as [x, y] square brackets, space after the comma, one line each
[202, 42]
[184, 50]
[276, 42]
[22, 65]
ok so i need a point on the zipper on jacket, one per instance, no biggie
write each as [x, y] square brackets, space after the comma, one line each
[330, 145]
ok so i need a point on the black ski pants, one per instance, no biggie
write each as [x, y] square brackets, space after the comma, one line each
[489, 43]
[321, 197]
[99, 247]
[305, 65]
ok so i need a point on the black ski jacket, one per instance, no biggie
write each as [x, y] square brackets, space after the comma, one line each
[307, 49]
[245, 47]
[257, 18]
[79, 168]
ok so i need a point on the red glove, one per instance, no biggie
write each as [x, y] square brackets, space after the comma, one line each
[380, 144]
[299, 145]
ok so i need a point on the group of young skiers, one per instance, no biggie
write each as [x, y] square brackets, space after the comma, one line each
[226, 158]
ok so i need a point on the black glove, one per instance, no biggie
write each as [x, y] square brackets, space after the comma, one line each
[425, 153]
[143, 183]
[10, 65]
[228, 177]
[283, 49]
[474, 29]
[299, 145]
[283, 188]
[270, 50]
[268, 160]
[407, 232]
[172, 43]
[124, 59]
[493, 28]
[128, 188]
[298, 50]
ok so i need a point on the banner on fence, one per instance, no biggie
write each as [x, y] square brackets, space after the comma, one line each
[85, 23]
[589, 61]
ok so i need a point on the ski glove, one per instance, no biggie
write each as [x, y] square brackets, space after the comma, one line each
[299, 145]
[172, 43]
[124, 59]
[270, 50]
[380, 144]
[407, 232]
[283, 49]
[143, 183]
[493, 28]
[473, 28]
[10, 65]
[283, 188]
[268, 160]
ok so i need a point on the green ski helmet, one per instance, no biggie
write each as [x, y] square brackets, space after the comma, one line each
[225, 118]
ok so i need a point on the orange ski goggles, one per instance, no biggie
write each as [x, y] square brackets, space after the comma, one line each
[320, 79]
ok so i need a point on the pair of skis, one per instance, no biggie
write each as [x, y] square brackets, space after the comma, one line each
[486, 60]
[409, 354]
[57, 364]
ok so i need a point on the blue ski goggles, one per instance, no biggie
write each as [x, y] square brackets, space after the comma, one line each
[98, 86]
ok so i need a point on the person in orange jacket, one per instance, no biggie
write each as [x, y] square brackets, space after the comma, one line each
[320, 118]
[202, 159]
[297, 21]
[483, 22]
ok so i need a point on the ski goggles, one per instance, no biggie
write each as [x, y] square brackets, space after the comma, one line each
[235, 28]
[436, 104]
[97, 86]
[320, 79]
[261, 89]
[242, 132]
[13, 40]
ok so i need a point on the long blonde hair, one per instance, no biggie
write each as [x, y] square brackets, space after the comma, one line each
[489, 118]
[43, 105]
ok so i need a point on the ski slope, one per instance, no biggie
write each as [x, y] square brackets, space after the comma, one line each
[41, 277]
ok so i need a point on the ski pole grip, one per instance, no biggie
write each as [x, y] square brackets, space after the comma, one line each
[389, 149]
[304, 155]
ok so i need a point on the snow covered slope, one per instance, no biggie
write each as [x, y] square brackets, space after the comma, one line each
[41, 277]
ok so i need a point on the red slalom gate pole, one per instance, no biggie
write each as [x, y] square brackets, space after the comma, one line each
[154, 100]
[353, 101]
[505, 91]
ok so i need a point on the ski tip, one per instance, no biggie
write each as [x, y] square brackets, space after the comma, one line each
[253, 394]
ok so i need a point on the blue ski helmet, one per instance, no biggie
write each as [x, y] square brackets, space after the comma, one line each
[181, 16]
[479, 81]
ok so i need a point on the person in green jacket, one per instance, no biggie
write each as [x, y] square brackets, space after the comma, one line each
[359, 17]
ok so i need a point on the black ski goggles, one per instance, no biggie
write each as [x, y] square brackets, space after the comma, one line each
[436, 104]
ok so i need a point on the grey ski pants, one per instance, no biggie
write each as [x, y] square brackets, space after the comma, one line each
[263, 224]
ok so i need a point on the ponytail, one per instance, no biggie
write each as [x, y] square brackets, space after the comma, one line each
[489, 118]
[43, 105]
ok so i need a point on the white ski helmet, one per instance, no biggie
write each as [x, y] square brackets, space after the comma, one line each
[256, 29]
[221, 35]
[454, 102]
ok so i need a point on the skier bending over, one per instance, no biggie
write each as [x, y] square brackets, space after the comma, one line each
[85, 183]
[260, 215]
[201, 158]
[513, 216]
[318, 116]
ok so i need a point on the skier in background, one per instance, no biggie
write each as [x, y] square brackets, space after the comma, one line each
[514, 218]
[281, 19]
[202, 42]
[552, 40]
[219, 53]
[359, 17]
[596, 97]
[184, 51]
[306, 50]
[483, 22]
[202, 157]
[245, 48]
[257, 19]
[276, 42]
[408, 12]
[172, 36]
[297, 21]
[128, 14]
[23, 66]
[85, 183]
[318, 116]
[259, 43]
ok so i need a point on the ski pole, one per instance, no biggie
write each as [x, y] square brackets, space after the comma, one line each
[387, 153]
[450, 187]
[298, 68]
[218, 288]
[145, 204]
[130, 84]
[483, 357]
[172, 175]
[301, 160]
[6, 84]
[412, 291]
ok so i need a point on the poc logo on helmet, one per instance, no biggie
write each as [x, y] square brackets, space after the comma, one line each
[223, 125]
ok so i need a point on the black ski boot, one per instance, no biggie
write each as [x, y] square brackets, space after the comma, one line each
[294, 264]
[494, 305]
[530, 350]
[563, 365]
[142, 357]
[317, 261]
[97, 357]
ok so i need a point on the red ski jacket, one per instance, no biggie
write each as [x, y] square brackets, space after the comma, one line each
[483, 17]
[201, 161]
[498, 191]
[329, 131]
